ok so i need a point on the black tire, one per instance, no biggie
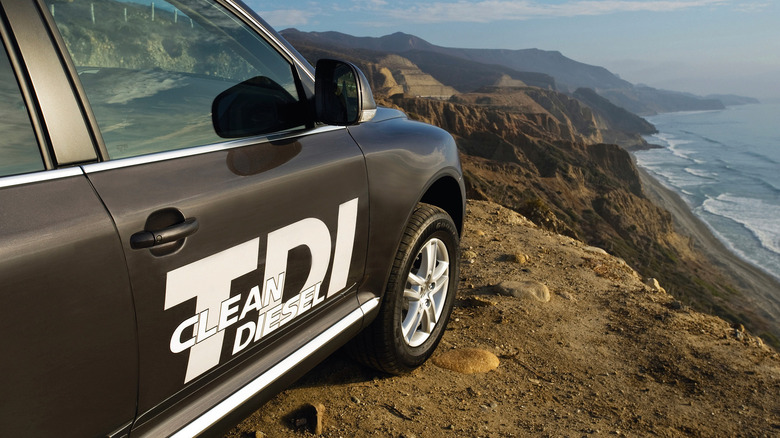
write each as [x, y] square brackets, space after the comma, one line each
[414, 314]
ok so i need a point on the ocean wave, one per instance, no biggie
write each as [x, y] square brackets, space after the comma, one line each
[701, 173]
[761, 157]
[673, 144]
[669, 140]
[707, 139]
[679, 180]
[759, 217]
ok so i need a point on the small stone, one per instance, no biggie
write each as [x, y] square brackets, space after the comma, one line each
[675, 305]
[654, 285]
[468, 255]
[524, 289]
[467, 361]
[518, 258]
[595, 250]
[311, 417]
[478, 301]
[567, 296]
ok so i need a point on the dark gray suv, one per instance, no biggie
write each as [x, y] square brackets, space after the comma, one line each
[193, 216]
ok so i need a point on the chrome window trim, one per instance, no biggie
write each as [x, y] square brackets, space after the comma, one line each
[199, 150]
[268, 35]
[227, 405]
[44, 175]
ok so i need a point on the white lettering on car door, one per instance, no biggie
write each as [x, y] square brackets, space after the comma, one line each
[209, 280]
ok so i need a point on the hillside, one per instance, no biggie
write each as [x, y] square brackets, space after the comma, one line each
[575, 185]
[606, 355]
[455, 67]
[567, 72]
[618, 122]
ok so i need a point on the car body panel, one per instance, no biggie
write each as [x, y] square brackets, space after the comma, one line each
[58, 104]
[239, 197]
[68, 313]
[404, 159]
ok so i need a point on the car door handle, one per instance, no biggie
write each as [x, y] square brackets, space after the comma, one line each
[148, 239]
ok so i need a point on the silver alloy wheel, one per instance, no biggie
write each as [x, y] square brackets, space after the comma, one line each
[425, 292]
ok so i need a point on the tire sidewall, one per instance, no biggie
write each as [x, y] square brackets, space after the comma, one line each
[438, 226]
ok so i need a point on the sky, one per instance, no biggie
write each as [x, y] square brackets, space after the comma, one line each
[697, 46]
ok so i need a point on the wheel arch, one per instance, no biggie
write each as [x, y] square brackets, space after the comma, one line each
[447, 194]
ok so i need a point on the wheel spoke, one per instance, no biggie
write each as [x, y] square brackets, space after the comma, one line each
[439, 294]
[428, 319]
[412, 321]
[412, 294]
[416, 280]
[442, 270]
[429, 259]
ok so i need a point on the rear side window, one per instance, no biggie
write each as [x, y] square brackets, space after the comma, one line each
[152, 72]
[19, 152]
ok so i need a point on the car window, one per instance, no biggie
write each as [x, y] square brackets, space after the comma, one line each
[19, 152]
[152, 73]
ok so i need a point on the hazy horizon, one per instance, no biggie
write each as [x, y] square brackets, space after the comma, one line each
[696, 46]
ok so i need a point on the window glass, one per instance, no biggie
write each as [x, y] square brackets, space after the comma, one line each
[19, 151]
[152, 72]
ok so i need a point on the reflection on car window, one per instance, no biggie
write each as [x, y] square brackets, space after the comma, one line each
[151, 71]
[19, 151]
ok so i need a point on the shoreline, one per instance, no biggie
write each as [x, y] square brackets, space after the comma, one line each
[757, 284]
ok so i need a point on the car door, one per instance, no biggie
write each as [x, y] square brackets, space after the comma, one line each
[235, 246]
[68, 342]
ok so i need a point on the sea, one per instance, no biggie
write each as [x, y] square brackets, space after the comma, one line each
[725, 164]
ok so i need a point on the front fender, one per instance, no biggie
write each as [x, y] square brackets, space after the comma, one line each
[405, 161]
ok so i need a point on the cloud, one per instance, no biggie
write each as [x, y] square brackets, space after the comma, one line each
[288, 17]
[485, 11]
[752, 6]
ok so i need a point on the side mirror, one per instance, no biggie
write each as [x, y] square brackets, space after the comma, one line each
[342, 95]
[254, 107]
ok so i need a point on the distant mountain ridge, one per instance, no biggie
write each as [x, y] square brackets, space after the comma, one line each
[470, 69]
[570, 74]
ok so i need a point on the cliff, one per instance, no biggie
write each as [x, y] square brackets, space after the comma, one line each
[552, 167]
[645, 100]
[619, 126]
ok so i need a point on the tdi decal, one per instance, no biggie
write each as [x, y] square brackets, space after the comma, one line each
[208, 281]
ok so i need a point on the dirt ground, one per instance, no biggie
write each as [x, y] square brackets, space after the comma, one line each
[607, 355]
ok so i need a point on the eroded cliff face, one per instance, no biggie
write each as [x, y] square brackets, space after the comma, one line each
[540, 160]
[394, 74]
[540, 155]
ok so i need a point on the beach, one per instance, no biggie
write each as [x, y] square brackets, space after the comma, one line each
[760, 289]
